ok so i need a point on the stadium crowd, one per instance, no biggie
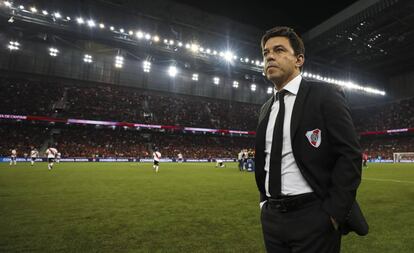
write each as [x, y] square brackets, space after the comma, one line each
[385, 147]
[395, 115]
[116, 103]
[91, 142]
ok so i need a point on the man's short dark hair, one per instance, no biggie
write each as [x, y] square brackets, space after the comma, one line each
[287, 32]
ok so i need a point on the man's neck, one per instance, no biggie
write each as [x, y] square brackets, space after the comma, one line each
[279, 86]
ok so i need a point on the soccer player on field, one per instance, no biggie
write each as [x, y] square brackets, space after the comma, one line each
[156, 155]
[180, 158]
[13, 157]
[220, 163]
[58, 155]
[364, 159]
[51, 155]
[33, 155]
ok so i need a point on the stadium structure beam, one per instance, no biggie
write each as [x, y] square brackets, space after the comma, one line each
[343, 16]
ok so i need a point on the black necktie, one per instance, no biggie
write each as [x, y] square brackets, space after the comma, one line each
[276, 152]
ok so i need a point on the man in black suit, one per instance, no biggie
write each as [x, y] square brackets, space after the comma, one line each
[308, 159]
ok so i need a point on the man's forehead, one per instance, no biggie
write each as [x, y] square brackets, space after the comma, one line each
[277, 41]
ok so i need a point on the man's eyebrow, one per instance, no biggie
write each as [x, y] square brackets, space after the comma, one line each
[273, 47]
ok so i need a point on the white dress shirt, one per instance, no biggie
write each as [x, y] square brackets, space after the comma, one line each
[293, 182]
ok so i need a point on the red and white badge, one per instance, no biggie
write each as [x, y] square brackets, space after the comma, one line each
[314, 137]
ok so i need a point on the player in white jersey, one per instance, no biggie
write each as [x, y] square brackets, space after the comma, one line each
[220, 163]
[156, 155]
[51, 155]
[180, 158]
[58, 155]
[33, 155]
[13, 157]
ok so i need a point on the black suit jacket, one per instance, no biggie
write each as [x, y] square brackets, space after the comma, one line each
[333, 169]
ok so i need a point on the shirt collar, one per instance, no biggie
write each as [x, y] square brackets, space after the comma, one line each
[292, 86]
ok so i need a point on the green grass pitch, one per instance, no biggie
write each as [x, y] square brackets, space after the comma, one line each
[188, 207]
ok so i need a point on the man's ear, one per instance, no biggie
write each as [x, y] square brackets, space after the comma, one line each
[300, 60]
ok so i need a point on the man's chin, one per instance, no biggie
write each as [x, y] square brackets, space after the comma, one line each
[274, 78]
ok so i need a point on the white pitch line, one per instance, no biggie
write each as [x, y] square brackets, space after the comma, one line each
[388, 180]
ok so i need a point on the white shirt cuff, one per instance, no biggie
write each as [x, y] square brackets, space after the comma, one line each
[262, 203]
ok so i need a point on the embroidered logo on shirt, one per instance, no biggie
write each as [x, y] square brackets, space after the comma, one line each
[314, 137]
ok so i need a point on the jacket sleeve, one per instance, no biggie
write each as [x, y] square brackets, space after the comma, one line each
[346, 172]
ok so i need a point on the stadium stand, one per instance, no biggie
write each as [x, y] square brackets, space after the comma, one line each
[116, 103]
[395, 115]
[384, 147]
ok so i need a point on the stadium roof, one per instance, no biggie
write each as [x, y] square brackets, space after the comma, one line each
[302, 15]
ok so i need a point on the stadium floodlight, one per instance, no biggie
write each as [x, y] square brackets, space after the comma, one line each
[111, 28]
[102, 25]
[194, 47]
[130, 32]
[188, 46]
[33, 9]
[208, 51]
[346, 84]
[171, 42]
[156, 38]
[201, 49]
[80, 20]
[165, 41]
[257, 62]
[21, 7]
[57, 15]
[44, 12]
[180, 44]
[147, 36]
[91, 23]
[122, 30]
[119, 61]
[216, 80]
[172, 71]
[269, 90]
[53, 51]
[13, 45]
[87, 58]
[68, 18]
[7, 3]
[253, 87]
[146, 65]
[228, 55]
[214, 52]
[235, 84]
[195, 77]
[140, 35]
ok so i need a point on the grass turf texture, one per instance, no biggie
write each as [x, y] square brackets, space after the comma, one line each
[188, 207]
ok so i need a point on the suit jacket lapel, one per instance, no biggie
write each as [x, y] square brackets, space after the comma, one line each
[260, 144]
[263, 120]
[298, 108]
